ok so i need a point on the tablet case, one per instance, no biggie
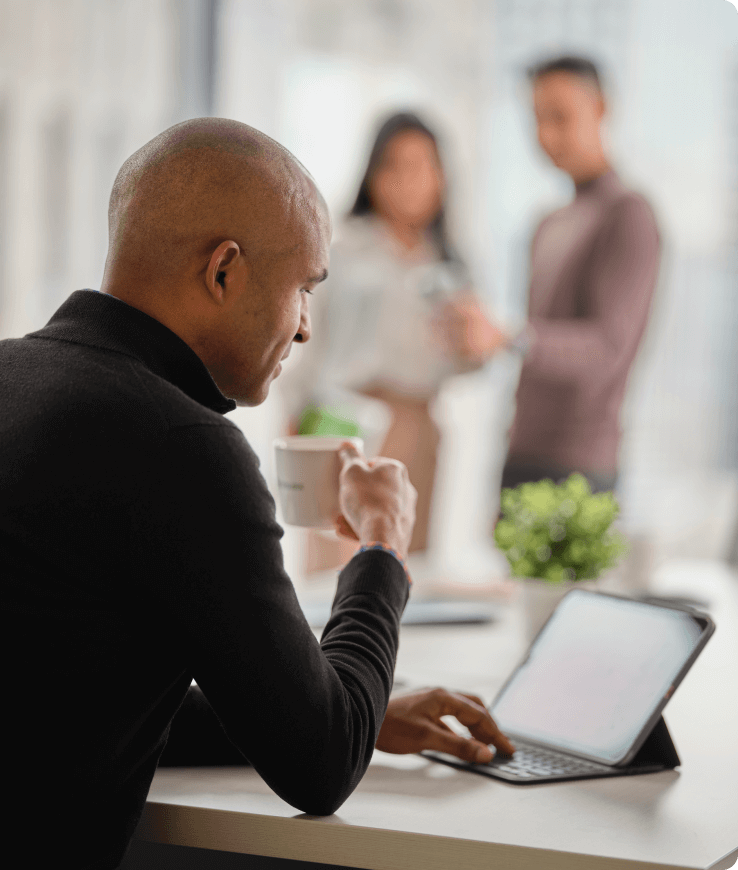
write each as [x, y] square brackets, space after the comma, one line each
[658, 749]
[657, 753]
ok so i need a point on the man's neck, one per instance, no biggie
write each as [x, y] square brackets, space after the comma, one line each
[591, 172]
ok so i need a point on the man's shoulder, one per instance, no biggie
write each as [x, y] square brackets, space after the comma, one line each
[630, 209]
[188, 428]
[46, 371]
[548, 215]
[626, 201]
[72, 384]
[175, 407]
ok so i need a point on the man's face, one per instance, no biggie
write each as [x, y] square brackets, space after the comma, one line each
[265, 319]
[569, 110]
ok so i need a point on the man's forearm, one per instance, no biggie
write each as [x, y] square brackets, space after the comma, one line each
[305, 716]
[574, 350]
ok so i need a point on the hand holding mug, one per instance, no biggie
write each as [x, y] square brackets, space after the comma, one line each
[376, 499]
[308, 469]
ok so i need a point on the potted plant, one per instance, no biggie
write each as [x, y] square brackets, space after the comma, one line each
[345, 415]
[554, 537]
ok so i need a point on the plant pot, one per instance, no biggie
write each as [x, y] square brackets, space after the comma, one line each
[541, 597]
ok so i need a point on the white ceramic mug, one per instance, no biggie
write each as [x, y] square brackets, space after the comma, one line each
[308, 467]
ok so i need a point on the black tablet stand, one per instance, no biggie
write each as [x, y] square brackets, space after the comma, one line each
[657, 749]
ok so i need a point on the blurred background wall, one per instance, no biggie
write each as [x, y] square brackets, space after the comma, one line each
[83, 83]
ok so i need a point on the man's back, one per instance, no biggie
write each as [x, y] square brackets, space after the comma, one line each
[82, 432]
[140, 551]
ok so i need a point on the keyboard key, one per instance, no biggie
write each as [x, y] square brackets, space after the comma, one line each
[533, 761]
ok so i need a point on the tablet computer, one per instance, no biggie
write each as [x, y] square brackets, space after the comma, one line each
[586, 701]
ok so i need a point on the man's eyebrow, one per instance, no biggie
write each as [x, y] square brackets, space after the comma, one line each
[318, 278]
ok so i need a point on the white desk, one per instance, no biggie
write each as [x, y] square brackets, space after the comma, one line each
[411, 813]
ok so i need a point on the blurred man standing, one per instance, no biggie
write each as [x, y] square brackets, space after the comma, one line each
[594, 265]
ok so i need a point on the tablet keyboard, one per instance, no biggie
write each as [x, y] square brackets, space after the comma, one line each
[534, 762]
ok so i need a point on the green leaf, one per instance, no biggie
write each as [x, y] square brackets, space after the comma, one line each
[322, 421]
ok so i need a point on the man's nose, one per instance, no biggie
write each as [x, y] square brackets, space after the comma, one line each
[305, 325]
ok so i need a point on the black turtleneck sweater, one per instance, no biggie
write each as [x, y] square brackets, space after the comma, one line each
[138, 551]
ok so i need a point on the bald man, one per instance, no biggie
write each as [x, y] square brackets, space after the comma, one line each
[138, 540]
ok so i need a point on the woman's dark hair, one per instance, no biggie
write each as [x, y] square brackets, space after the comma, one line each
[393, 126]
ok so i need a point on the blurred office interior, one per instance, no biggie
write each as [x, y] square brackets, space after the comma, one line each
[83, 83]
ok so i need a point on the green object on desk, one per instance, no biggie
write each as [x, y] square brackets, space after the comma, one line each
[559, 532]
[322, 421]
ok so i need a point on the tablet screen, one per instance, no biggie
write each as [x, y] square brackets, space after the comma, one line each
[596, 674]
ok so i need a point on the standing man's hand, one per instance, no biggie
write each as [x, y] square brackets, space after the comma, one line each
[468, 333]
[413, 723]
[377, 500]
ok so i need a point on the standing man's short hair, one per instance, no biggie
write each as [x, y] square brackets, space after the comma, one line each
[578, 66]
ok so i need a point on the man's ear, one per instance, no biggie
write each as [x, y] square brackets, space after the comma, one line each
[221, 269]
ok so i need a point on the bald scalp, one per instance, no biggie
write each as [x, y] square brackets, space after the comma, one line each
[196, 184]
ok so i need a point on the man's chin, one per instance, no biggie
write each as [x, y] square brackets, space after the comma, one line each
[566, 165]
[250, 398]
[251, 401]
[255, 395]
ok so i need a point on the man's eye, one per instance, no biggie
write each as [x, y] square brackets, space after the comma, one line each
[305, 290]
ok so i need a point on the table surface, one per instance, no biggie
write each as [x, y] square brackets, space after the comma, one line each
[410, 812]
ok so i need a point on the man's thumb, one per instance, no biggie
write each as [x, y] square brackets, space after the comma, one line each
[348, 452]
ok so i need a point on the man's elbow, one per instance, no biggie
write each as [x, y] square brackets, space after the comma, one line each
[321, 788]
[322, 806]
[319, 798]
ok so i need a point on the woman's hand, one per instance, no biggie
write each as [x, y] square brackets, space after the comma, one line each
[413, 723]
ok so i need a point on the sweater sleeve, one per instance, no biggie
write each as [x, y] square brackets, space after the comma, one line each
[620, 279]
[305, 714]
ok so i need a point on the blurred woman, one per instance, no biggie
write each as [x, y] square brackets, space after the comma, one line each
[397, 315]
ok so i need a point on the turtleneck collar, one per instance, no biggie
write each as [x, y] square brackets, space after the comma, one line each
[100, 320]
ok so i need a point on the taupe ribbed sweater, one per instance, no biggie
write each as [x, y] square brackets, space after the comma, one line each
[593, 271]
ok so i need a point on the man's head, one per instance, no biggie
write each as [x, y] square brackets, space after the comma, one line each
[569, 107]
[218, 232]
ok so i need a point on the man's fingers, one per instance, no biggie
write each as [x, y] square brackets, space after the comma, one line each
[349, 452]
[472, 713]
[475, 698]
[443, 739]
[344, 529]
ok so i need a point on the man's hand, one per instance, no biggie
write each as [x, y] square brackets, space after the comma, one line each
[468, 333]
[413, 723]
[377, 500]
